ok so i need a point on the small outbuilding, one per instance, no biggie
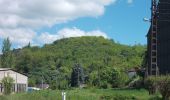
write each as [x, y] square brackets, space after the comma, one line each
[20, 83]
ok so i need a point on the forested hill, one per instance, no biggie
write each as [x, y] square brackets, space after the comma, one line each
[91, 53]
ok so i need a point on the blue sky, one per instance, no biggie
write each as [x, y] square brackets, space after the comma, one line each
[121, 21]
[43, 21]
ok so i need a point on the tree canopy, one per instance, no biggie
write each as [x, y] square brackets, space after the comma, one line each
[97, 56]
[6, 58]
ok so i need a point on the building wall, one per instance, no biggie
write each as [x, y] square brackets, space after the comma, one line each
[163, 38]
[20, 81]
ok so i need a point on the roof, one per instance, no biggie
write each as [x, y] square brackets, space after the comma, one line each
[7, 69]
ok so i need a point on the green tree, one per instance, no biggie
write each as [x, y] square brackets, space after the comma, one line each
[6, 58]
[97, 55]
[114, 77]
[77, 76]
[7, 83]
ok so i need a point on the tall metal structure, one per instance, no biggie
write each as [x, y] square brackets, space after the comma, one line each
[153, 66]
[158, 53]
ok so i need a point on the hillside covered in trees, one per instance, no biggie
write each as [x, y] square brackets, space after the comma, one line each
[98, 58]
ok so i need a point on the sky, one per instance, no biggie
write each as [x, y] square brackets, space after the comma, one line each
[44, 21]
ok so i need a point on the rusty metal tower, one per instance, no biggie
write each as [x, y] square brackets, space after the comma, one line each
[154, 70]
[158, 48]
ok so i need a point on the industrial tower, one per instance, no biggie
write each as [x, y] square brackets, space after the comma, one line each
[158, 53]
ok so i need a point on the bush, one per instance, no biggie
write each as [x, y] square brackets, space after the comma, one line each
[105, 85]
[123, 77]
[109, 77]
[7, 84]
[117, 97]
[106, 97]
[164, 87]
[32, 82]
[119, 78]
[151, 84]
[121, 97]
[161, 83]
[155, 97]
[136, 82]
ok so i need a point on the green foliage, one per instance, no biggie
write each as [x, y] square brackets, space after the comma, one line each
[117, 97]
[116, 77]
[98, 56]
[160, 83]
[7, 57]
[82, 94]
[7, 83]
[151, 84]
[32, 82]
[136, 82]
[119, 78]
[108, 77]
[6, 45]
[155, 97]
[77, 76]
[121, 97]
[164, 87]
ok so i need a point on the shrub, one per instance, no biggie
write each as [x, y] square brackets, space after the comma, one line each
[155, 97]
[121, 97]
[108, 77]
[105, 85]
[164, 87]
[119, 78]
[106, 97]
[7, 84]
[32, 82]
[160, 83]
[136, 82]
[117, 97]
[151, 84]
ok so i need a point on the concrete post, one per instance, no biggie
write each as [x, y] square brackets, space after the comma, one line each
[63, 96]
[16, 90]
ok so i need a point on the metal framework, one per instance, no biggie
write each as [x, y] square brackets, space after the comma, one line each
[154, 23]
[158, 55]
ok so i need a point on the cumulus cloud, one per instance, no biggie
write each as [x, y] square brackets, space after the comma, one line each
[21, 37]
[68, 32]
[19, 18]
[38, 13]
[129, 1]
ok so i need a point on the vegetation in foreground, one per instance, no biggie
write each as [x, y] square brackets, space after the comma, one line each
[7, 82]
[83, 94]
[159, 84]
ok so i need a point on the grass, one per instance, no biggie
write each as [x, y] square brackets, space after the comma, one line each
[84, 94]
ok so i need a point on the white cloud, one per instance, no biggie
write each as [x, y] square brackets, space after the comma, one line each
[38, 13]
[129, 1]
[66, 33]
[19, 18]
[21, 37]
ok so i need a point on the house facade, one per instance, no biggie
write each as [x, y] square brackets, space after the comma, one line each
[20, 83]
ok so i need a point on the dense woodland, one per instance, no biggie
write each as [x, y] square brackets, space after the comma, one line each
[94, 61]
